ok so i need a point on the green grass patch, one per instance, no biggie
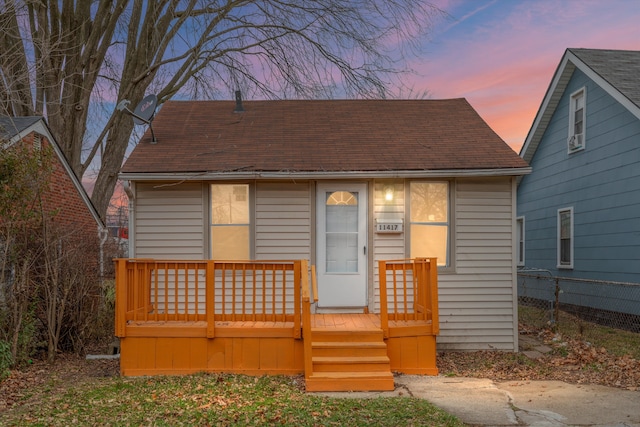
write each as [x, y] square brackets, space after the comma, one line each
[211, 399]
[617, 341]
[533, 317]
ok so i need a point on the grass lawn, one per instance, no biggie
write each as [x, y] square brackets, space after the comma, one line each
[214, 399]
[617, 341]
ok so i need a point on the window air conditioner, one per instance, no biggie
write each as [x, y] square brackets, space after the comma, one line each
[575, 141]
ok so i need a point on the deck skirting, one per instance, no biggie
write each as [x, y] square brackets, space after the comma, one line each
[188, 355]
[413, 355]
[253, 348]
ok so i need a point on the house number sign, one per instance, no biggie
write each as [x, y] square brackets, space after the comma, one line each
[389, 226]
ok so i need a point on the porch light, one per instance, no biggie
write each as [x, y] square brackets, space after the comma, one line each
[388, 193]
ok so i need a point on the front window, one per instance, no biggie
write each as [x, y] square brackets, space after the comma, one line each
[565, 238]
[230, 221]
[576, 121]
[429, 220]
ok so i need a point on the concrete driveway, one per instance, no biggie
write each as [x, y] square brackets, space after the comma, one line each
[483, 402]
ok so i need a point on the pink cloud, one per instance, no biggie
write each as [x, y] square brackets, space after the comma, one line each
[501, 56]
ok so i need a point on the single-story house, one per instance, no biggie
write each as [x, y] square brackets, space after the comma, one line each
[341, 185]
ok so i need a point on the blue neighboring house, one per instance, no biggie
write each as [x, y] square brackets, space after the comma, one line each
[579, 210]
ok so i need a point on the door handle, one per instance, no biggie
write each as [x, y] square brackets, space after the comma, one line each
[364, 250]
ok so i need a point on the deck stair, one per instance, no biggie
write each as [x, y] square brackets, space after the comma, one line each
[350, 359]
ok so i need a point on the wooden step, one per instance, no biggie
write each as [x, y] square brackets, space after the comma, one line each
[349, 359]
[343, 335]
[350, 381]
[349, 348]
[351, 364]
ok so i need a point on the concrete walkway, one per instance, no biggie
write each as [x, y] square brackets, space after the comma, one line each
[482, 402]
[531, 403]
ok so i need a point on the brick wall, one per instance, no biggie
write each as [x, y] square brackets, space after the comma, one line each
[63, 198]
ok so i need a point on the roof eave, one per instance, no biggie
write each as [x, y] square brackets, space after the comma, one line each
[549, 103]
[228, 176]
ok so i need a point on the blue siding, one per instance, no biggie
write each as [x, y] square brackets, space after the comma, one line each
[600, 183]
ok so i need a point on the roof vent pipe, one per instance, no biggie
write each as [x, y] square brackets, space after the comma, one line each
[239, 108]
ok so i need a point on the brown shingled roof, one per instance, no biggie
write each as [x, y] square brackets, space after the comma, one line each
[320, 136]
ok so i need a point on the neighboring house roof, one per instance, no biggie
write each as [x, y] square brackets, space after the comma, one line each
[321, 138]
[14, 129]
[616, 71]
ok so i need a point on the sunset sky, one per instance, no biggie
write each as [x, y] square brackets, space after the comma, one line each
[501, 54]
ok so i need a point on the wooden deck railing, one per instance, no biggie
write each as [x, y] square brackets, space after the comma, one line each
[409, 291]
[260, 291]
[208, 290]
[309, 296]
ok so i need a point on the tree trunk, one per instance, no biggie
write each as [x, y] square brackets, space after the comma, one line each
[112, 157]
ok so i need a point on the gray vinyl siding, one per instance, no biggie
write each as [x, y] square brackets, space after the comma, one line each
[170, 221]
[601, 184]
[283, 221]
[477, 301]
[169, 224]
[283, 224]
[386, 246]
[476, 294]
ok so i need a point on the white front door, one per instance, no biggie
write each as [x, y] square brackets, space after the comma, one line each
[342, 238]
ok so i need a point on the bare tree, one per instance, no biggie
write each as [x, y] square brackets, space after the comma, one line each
[63, 58]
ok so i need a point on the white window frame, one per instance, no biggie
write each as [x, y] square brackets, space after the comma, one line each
[560, 263]
[249, 225]
[520, 242]
[448, 263]
[576, 141]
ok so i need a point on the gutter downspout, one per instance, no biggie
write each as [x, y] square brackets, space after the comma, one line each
[103, 234]
[131, 196]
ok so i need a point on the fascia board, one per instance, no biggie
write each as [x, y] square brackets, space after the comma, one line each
[222, 176]
[537, 128]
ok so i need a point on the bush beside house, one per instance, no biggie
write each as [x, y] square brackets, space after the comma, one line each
[50, 241]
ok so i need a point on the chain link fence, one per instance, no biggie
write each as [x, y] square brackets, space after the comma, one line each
[542, 296]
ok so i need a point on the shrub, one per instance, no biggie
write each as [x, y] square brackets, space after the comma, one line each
[6, 361]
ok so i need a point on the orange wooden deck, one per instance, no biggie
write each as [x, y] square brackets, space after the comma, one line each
[334, 351]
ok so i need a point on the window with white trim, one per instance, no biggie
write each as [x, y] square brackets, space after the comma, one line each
[520, 243]
[429, 220]
[565, 238]
[230, 222]
[577, 115]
